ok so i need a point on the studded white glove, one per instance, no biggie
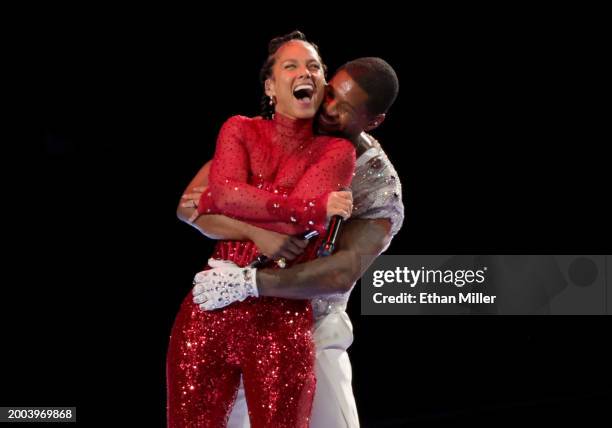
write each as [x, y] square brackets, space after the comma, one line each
[223, 285]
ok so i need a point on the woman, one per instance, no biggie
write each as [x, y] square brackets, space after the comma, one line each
[273, 173]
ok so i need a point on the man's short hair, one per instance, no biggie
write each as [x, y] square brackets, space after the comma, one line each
[378, 79]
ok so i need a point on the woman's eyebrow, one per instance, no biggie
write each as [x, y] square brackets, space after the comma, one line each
[308, 61]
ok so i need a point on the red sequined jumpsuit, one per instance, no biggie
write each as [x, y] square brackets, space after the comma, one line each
[274, 174]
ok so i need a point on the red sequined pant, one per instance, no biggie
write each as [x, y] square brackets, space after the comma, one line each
[267, 340]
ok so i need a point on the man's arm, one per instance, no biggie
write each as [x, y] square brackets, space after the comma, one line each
[361, 241]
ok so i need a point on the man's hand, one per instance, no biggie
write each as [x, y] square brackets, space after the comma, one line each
[276, 245]
[223, 285]
[360, 242]
[191, 200]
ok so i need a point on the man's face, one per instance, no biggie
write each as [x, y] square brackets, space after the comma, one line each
[344, 109]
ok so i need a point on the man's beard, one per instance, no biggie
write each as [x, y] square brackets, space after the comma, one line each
[320, 129]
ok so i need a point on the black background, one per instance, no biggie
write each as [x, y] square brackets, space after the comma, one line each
[495, 135]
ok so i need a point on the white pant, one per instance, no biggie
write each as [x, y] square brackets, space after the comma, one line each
[334, 403]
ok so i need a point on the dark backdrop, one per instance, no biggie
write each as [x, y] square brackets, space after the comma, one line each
[495, 136]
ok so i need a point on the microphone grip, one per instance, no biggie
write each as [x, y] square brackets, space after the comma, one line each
[329, 244]
[259, 261]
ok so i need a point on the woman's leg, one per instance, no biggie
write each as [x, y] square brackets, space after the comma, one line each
[278, 374]
[202, 380]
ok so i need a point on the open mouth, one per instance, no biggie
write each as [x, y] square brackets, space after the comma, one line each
[303, 93]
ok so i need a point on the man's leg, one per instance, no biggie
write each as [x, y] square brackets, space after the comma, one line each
[239, 418]
[334, 404]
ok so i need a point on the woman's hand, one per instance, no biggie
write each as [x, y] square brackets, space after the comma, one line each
[340, 203]
[276, 245]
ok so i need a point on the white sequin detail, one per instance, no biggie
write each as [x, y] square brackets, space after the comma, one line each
[377, 193]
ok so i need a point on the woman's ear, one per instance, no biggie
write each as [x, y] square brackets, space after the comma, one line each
[269, 88]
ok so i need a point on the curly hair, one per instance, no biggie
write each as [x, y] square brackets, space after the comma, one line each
[265, 73]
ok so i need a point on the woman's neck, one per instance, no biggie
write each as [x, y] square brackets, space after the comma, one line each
[293, 127]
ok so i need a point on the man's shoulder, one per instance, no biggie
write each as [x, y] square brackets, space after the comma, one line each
[376, 186]
[374, 166]
[377, 148]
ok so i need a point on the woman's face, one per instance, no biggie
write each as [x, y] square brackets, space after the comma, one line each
[297, 80]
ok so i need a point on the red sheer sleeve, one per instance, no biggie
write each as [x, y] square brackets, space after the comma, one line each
[307, 203]
[230, 194]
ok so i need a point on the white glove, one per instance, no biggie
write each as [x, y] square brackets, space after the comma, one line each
[223, 285]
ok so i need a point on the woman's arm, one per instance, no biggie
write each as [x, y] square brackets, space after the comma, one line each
[308, 202]
[230, 194]
[212, 226]
[271, 244]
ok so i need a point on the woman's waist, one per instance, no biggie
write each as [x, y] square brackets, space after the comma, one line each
[260, 310]
[243, 253]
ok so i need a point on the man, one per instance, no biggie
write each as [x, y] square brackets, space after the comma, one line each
[357, 99]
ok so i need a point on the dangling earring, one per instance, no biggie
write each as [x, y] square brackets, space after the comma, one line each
[272, 101]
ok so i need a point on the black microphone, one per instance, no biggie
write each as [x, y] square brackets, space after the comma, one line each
[262, 259]
[328, 245]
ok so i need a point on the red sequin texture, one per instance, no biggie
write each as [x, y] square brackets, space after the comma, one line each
[276, 171]
[267, 340]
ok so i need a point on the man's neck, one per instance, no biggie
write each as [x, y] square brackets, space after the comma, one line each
[362, 143]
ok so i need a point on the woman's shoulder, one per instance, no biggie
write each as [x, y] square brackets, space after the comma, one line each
[338, 143]
[240, 119]
[246, 122]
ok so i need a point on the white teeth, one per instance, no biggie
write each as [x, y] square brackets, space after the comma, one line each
[297, 88]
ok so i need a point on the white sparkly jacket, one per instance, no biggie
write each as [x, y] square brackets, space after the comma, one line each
[377, 193]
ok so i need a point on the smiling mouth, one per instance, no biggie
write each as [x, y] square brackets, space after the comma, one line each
[303, 93]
